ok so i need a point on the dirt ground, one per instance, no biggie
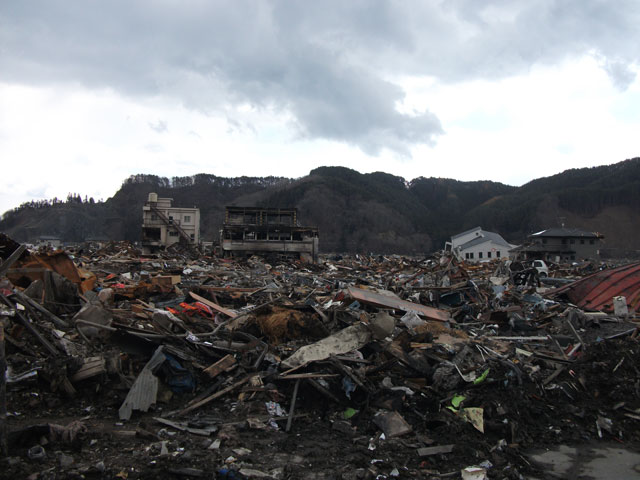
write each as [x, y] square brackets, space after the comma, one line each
[520, 414]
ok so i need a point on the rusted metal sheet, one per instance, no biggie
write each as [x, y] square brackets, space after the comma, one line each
[32, 266]
[596, 291]
[384, 301]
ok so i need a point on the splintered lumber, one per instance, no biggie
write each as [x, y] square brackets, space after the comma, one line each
[225, 364]
[575, 333]
[184, 427]
[213, 396]
[327, 393]
[385, 301]
[293, 404]
[215, 306]
[31, 328]
[12, 259]
[303, 376]
[57, 321]
[91, 367]
[438, 449]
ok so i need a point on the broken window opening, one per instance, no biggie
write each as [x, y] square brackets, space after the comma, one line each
[151, 234]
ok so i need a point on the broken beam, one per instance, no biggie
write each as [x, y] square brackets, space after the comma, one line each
[215, 306]
[214, 396]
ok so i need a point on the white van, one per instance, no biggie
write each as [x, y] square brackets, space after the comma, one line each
[541, 267]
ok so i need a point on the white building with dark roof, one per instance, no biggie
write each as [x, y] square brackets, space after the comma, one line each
[478, 245]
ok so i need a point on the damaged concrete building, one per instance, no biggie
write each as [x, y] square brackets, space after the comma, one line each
[163, 225]
[249, 230]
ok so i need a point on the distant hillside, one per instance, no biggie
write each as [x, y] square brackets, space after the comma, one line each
[604, 199]
[358, 212]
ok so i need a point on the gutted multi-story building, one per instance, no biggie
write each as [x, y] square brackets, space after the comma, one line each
[249, 230]
[163, 225]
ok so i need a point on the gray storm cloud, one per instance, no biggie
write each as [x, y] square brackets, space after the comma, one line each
[159, 127]
[331, 65]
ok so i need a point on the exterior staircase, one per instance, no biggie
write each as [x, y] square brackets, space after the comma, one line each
[184, 235]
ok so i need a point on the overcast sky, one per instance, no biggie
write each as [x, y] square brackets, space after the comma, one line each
[94, 91]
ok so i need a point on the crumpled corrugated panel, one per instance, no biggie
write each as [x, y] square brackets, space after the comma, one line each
[596, 292]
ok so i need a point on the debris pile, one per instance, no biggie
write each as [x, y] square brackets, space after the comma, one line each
[120, 366]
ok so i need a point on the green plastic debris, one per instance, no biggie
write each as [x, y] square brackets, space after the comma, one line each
[348, 413]
[482, 377]
[457, 400]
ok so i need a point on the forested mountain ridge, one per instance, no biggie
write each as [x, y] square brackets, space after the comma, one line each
[358, 212]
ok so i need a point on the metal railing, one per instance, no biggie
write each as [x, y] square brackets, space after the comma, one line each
[171, 223]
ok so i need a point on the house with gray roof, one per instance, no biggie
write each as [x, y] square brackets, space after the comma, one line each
[478, 245]
[561, 244]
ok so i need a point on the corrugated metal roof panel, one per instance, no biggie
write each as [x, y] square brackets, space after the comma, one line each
[596, 291]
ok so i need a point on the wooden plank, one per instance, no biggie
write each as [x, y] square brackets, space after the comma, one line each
[57, 321]
[214, 396]
[297, 376]
[186, 428]
[31, 328]
[223, 365]
[438, 449]
[215, 306]
[12, 259]
[293, 405]
[91, 367]
[396, 303]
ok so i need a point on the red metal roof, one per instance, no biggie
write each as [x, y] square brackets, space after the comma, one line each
[596, 291]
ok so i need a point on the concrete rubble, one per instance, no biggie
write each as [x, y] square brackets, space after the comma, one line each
[358, 367]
